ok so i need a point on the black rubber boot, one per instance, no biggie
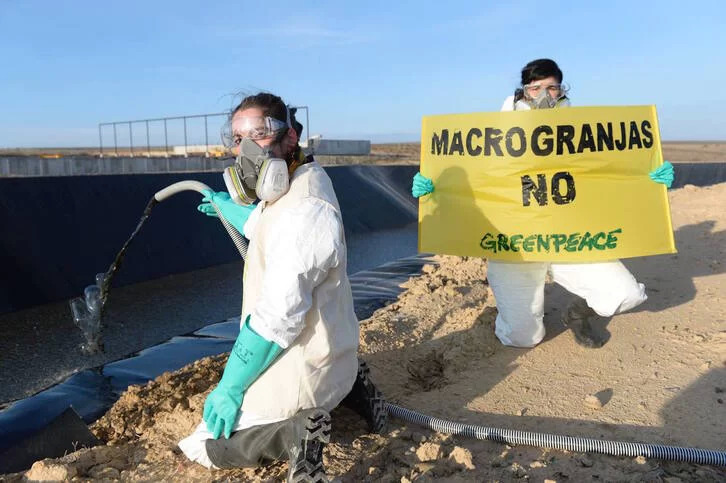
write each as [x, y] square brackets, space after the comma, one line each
[367, 400]
[300, 440]
[577, 318]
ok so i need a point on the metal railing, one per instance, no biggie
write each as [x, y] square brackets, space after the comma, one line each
[139, 148]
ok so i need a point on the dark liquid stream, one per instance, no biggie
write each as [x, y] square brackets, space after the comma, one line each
[108, 277]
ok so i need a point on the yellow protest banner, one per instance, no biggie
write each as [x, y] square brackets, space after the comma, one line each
[563, 185]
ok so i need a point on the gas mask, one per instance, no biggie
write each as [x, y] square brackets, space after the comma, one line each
[542, 97]
[256, 173]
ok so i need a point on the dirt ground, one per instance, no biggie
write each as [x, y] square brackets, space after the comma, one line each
[660, 378]
[694, 151]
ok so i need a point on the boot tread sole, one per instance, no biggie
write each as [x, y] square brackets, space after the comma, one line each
[378, 416]
[309, 465]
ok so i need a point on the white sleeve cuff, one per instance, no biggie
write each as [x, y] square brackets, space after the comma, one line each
[263, 330]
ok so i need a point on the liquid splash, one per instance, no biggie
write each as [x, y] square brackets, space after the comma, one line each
[88, 310]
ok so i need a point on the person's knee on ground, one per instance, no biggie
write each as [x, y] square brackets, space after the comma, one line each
[519, 292]
[300, 440]
[523, 339]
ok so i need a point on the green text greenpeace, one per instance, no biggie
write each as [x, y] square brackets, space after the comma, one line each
[555, 242]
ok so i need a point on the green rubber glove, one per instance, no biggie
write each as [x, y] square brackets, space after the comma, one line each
[663, 175]
[249, 358]
[235, 214]
[421, 186]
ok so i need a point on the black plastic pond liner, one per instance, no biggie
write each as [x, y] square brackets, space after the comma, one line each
[64, 434]
[90, 217]
[372, 198]
[90, 393]
[698, 174]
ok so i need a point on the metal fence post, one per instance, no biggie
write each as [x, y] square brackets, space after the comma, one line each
[166, 141]
[206, 138]
[131, 141]
[148, 144]
[100, 142]
[186, 154]
[115, 142]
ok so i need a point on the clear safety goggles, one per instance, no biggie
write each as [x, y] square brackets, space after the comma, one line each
[256, 128]
[536, 89]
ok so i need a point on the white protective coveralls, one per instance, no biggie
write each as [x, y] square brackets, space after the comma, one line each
[607, 287]
[297, 292]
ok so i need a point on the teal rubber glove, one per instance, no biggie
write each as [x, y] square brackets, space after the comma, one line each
[421, 186]
[249, 358]
[663, 175]
[235, 214]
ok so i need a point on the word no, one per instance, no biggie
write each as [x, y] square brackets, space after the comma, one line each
[539, 189]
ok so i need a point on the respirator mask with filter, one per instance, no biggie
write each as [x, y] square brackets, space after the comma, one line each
[538, 96]
[257, 173]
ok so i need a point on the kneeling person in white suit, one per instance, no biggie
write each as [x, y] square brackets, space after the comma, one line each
[603, 288]
[296, 355]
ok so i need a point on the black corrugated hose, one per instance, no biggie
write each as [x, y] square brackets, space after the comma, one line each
[570, 443]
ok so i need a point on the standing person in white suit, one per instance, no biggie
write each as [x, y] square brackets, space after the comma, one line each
[603, 288]
[295, 357]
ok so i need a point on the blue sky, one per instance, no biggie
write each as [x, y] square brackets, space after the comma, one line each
[367, 69]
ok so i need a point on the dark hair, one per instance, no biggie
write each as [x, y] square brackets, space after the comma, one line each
[271, 105]
[536, 70]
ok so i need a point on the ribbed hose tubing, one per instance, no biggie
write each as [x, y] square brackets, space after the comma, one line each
[239, 241]
[192, 185]
[544, 440]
